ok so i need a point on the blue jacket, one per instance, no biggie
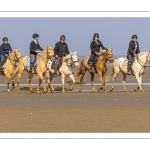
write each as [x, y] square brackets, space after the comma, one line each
[5, 48]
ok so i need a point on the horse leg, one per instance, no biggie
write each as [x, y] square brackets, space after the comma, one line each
[49, 77]
[41, 75]
[81, 80]
[38, 88]
[63, 82]
[113, 81]
[30, 75]
[18, 82]
[124, 81]
[13, 85]
[101, 77]
[139, 80]
[92, 81]
[73, 82]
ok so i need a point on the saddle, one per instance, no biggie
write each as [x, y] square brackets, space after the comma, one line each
[59, 65]
[94, 62]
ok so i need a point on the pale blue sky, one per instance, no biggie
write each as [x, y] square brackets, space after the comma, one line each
[114, 32]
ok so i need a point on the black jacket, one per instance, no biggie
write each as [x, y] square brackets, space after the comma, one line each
[61, 49]
[96, 47]
[5, 48]
[132, 48]
[34, 47]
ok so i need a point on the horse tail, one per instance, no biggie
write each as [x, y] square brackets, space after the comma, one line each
[77, 75]
[109, 76]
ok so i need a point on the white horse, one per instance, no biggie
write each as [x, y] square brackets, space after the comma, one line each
[65, 70]
[137, 68]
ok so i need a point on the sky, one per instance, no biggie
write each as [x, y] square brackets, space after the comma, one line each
[114, 33]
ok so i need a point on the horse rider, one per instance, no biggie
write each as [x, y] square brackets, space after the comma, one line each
[133, 50]
[34, 47]
[60, 50]
[5, 48]
[95, 48]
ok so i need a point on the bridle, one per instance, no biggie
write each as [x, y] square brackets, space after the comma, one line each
[48, 57]
[15, 60]
[72, 62]
[147, 58]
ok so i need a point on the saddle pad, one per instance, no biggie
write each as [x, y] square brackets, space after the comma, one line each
[59, 65]
[125, 62]
[35, 64]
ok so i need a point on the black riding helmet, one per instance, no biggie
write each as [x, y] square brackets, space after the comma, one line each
[96, 35]
[134, 37]
[35, 35]
[5, 39]
[62, 37]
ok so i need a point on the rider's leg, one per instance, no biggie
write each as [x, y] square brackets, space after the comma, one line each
[3, 61]
[130, 59]
[56, 66]
[92, 57]
[32, 61]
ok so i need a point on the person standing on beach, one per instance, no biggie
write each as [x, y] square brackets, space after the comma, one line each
[133, 50]
[60, 50]
[34, 47]
[95, 48]
[5, 49]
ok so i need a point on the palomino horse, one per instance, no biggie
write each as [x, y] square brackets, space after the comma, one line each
[99, 68]
[40, 69]
[10, 66]
[137, 68]
[65, 70]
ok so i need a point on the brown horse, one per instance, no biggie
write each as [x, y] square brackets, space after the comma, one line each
[99, 68]
[10, 66]
[41, 68]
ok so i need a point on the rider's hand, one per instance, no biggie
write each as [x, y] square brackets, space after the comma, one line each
[96, 53]
[36, 51]
[6, 55]
[135, 55]
[56, 56]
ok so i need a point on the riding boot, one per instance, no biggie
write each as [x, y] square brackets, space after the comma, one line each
[91, 64]
[129, 68]
[30, 69]
[55, 73]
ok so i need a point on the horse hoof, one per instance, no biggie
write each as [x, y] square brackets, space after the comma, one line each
[79, 90]
[71, 89]
[135, 90]
[64, 92]
[18, 92]
[111, 90]
[45, 92]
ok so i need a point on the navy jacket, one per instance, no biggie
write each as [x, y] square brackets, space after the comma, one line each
[132, 48]
[61, 49]
[96, 47]
[5, 48]
[34, 47]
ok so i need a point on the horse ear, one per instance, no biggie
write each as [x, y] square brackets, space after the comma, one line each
[46, 47]
[106, 48]
[75, 52]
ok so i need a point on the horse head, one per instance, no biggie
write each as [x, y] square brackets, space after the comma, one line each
[50, 52]
[15, 55]
[109, 54]
[73, 59]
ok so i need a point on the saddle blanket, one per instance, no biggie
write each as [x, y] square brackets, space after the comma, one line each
[35, 64]
[125, 62]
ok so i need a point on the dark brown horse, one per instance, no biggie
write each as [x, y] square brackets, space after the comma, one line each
[99, 68]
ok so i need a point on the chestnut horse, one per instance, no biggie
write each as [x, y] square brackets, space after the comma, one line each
[99, 68]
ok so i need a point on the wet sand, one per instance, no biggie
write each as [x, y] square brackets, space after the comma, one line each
[76, 112]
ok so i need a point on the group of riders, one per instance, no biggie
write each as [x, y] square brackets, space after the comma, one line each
[61, 50]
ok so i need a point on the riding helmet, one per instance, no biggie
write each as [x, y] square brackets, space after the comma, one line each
[96, 35]
[134, 37]
[35, 35]
[62, 37]
[5, 39]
